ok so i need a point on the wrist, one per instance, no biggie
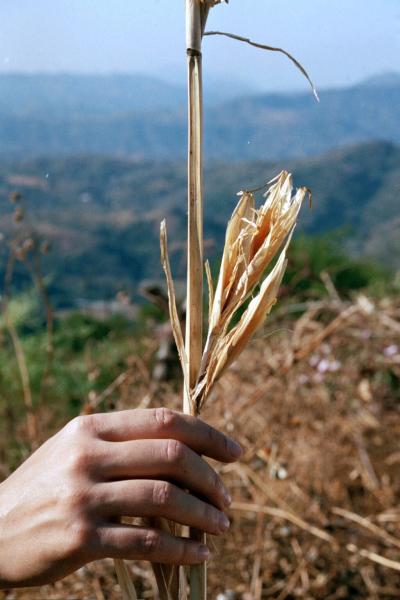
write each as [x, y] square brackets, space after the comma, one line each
[4, 582]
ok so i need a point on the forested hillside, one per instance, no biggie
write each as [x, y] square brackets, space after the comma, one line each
[102, 215]
[146, 118]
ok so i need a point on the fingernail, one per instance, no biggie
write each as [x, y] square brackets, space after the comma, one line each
[223, 523]
[227, 497]
[235, 449]
[224, 494]
[203, 552]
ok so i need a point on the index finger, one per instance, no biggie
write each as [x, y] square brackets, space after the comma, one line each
[164, 423]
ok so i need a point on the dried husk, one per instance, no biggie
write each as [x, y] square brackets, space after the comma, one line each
[263, 235]
[228, 347]
[253, 238]
[252, 241]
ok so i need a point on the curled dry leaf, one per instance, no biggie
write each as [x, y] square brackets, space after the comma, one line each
[253, 239]
[173, 312]
[294, 60]
[228, 347]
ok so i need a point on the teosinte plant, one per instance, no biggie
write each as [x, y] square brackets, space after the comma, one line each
[253, 239]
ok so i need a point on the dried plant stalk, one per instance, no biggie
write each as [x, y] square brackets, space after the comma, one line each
[124, 580]
[31, 421]
[253, 238]
[167, 576]
[194, 314]
[196, 16]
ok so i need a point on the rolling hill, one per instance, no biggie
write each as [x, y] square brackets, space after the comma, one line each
[102, 215]
[143, 118]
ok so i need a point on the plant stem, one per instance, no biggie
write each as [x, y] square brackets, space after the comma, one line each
[31, 422]
[195, 17]
[194, 309]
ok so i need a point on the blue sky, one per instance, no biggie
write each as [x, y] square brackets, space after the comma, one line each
[339, 41]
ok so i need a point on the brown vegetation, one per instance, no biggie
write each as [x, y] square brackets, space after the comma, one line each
[314, 402]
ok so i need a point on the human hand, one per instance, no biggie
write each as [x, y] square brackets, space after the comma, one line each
[62, 507]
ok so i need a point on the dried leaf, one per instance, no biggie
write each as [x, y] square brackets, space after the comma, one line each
[173, 312]
[167, 576]
[124, 580]
[236, 229]
[254, 316]
[297, 64]
[228, 347]
[210, 289]
[253, 238]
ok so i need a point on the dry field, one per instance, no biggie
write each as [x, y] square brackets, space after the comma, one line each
[315, 403]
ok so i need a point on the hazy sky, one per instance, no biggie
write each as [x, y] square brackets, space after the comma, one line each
[339, 41]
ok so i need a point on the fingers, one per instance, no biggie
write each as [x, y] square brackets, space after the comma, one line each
[163, 459]
[146, 498]
[162, 423]
[138, 543]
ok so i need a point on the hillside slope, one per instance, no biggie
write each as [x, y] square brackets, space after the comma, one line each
[146, 119]
[102, 215]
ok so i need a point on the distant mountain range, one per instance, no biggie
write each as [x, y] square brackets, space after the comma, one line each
[68, 96]
[144, 118]
[102, 215]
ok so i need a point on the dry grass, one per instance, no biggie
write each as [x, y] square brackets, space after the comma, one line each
[316, 496]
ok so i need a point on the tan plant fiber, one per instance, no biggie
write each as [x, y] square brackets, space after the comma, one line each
[125, 581]
[253, 239]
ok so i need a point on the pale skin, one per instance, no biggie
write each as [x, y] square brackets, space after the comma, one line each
[62, 508]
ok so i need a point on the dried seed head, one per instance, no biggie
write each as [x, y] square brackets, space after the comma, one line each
[253, 238]
[229, 346]
[252, 241]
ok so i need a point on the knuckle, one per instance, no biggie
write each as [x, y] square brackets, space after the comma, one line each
[216, 481]
[82, 536]
[79, 459]
[162, 493]
[150, 543]
[165, 418]
[81, 425]
[175, 452]
[76, 499]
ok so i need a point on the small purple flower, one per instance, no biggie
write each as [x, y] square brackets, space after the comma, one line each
[391, 350]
